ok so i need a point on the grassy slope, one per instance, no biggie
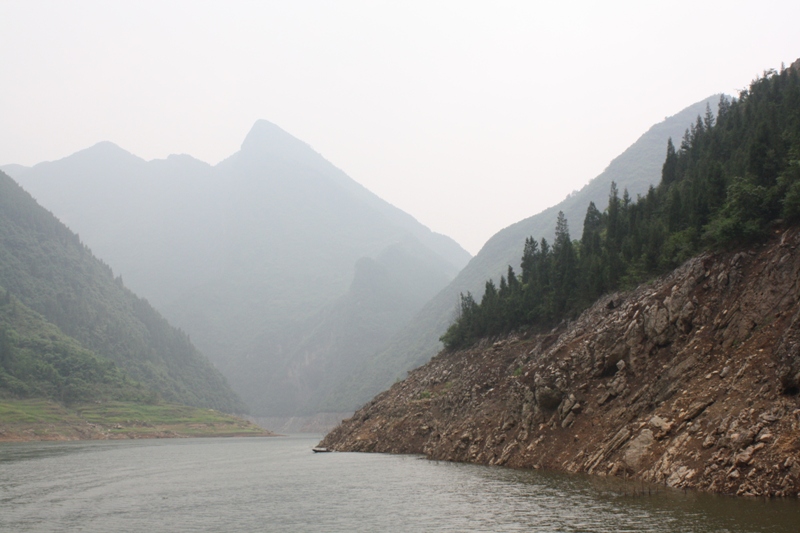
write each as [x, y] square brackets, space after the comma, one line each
[38, 419]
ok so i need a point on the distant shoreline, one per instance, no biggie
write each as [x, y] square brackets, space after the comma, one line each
[44, 420]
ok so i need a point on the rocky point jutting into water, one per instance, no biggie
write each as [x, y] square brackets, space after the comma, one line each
[690, 381]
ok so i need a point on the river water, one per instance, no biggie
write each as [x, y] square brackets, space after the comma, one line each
[278, 484]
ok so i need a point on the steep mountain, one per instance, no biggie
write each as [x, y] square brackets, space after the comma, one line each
[680, 382]
[260, 258]
[37, 360]
[635, 170]
[385, 293]
[56, 279]
[692, 379]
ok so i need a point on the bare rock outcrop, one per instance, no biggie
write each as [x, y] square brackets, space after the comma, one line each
[692, 381]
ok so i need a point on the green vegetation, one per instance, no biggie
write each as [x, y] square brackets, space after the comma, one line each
[38, 361]
[732, 177]
[43, 419]
[15, 413]
[143, 419]
[72, 332]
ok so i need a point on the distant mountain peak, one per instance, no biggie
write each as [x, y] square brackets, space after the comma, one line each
[105, 152]
[266, 136]
[106, 147]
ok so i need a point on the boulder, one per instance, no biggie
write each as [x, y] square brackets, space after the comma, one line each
[637, 448]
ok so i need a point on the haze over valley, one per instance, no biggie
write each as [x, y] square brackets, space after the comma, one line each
[285, 271]
[559, 238]
[307, 291]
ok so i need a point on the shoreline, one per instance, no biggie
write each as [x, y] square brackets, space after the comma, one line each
[689, 381]
[41, 420]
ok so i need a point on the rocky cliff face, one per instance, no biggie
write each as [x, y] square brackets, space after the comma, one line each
[691, 381]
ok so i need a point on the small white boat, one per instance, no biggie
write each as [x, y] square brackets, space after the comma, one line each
[320, 449]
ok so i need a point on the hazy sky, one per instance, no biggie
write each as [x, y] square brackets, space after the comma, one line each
[470, 116]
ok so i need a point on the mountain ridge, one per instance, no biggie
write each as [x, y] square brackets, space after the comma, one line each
[243, 254]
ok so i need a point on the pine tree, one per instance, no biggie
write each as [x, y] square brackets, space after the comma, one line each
[564, 268]
[614, 267]
[670, 168]
[708, 119]
[723, 108]
[592, 282]
[528, 262]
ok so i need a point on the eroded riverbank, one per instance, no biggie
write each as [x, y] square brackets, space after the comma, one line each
[690, 381]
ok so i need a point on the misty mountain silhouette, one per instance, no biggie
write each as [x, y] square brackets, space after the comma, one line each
[255, 257]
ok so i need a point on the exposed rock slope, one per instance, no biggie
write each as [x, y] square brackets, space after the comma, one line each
[691, 381]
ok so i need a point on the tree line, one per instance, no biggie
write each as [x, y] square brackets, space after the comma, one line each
[732, 176]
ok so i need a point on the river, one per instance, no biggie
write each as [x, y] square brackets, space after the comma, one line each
[278, 484]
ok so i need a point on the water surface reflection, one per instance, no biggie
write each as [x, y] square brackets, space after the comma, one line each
[278, 484]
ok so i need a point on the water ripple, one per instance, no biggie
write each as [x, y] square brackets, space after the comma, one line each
[230, 485]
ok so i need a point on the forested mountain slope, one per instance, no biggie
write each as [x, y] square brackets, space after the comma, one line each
[733, 176]
[37, 360]
[256, 258]
[691, 379]
[45, 267]
[636, 169]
